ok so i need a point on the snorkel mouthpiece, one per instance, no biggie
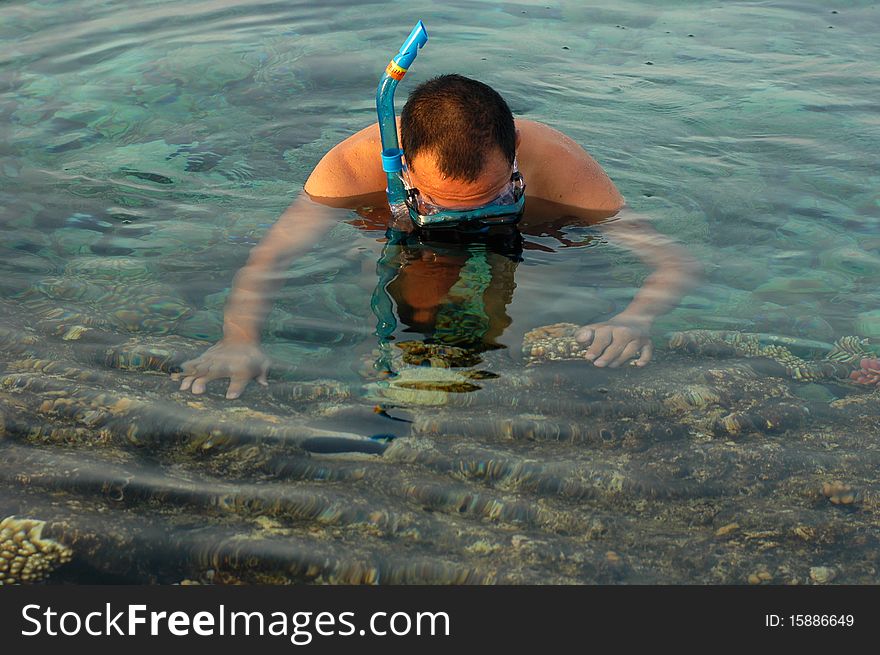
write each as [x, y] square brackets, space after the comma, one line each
[392, 162]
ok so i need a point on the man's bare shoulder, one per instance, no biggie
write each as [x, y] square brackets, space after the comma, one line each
[539, 141]
[540, 134]
[527, 126]
[559, 169]
[353, 167]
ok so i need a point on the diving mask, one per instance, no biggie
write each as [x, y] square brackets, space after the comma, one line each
[504, 209]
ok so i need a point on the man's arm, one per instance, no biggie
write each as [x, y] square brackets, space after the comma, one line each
[566, 174]
[626, 335]
[237, 355]
[294, 233]
[349, 170]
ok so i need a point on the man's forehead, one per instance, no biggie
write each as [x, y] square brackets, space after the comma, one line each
[457, 193]
[426, 165]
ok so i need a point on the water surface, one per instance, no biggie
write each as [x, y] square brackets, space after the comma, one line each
[146, 147]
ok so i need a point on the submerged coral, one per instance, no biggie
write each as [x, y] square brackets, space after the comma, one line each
[837, 361]
[25, 556]
[868, 373]
[557, 343]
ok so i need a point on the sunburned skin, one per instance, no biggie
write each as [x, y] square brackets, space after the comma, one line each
[459, 194]
[554, 166]
[565, 186]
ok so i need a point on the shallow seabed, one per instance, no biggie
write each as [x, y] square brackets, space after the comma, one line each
[145, 147]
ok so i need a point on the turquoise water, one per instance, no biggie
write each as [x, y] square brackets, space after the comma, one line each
[146, 147]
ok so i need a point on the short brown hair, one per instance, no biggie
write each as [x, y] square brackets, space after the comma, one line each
[460, 120]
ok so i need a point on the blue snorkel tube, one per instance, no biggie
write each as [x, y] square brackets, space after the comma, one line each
[392, 162]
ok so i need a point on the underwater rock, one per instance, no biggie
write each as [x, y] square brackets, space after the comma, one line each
[191, 233]
[692, 397]
[814, 393]
[740, 273]
[87, 222]
[302, 482]
[16, 342]
[771, 418]
[204, 325]
[803, 320]
[812, 327]
[420, 386]
[305, 333]
[550, 343]
[130, 269]
[867, 324]
[25, 556]
[784, 290]
[822, 574]
[805, 233]
[139, 356]
[625, 434]
[418, 353]
[146, 306]
[839, 493]
[310, 392]
[202, 67]
[851, 260]
[74, 241]
[760, 577]
[58, 319]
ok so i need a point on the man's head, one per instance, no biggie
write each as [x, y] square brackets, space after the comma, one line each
[459, 139]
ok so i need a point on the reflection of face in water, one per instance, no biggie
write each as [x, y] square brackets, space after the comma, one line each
[454, 288]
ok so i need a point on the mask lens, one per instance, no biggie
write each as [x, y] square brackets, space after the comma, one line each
[505, 208]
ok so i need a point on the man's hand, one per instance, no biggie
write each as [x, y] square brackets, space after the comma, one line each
[617, 341]
[240, 362]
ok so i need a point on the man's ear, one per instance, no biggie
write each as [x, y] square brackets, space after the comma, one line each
[518, 138]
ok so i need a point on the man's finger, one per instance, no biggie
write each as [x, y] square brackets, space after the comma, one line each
[236, 386]
[584, 335]
[187, 382]
[610, 354]
[601, 339]
[647, 351]
[631, 350]
[261, 378]
[198, 386]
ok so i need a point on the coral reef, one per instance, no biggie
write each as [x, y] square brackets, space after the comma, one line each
[557, 343]
[531, 478]
[437, 473]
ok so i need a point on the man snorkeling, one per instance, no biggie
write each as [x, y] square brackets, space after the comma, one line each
[468, 163]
